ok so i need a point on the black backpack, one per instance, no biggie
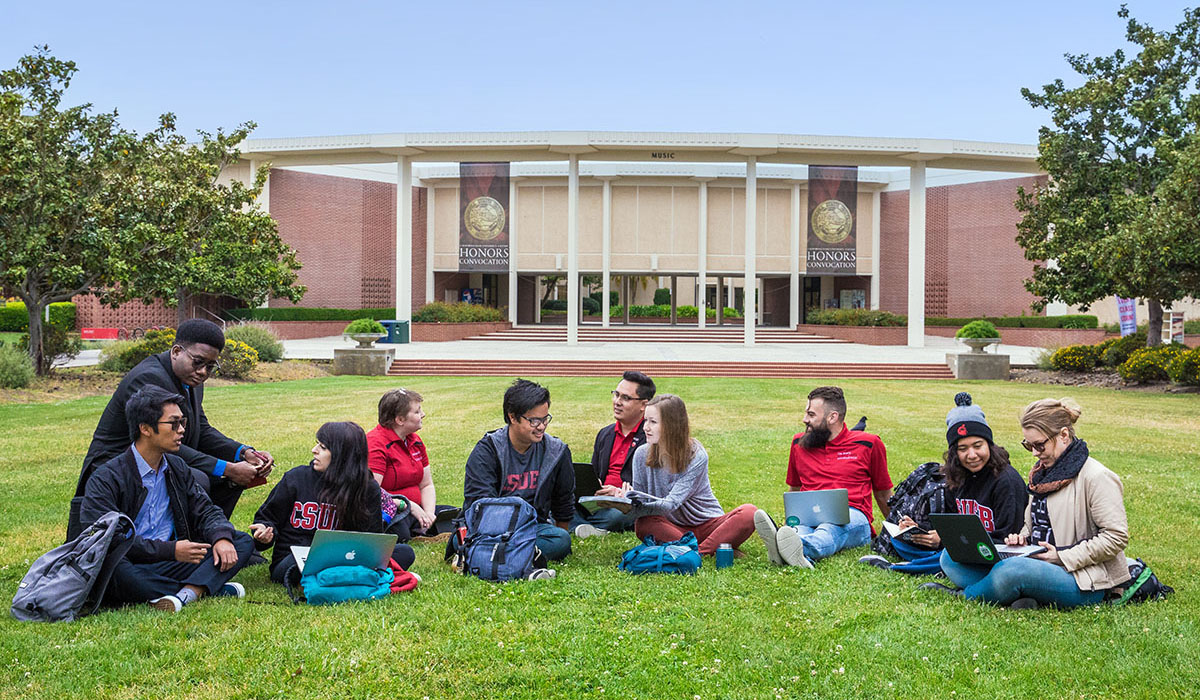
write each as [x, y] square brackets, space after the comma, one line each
[922, 492]
[1143, 585]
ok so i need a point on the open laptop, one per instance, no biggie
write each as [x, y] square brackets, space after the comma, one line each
[967, 541]
[586, 482]
[813, 508]
[341, 548]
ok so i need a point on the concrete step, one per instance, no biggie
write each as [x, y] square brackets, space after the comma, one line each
[581, 368]
[654, 334]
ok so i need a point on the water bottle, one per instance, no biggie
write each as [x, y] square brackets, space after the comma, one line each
[724, 555]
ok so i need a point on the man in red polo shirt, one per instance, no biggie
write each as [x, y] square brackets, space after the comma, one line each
[612, 454]
[828, 455]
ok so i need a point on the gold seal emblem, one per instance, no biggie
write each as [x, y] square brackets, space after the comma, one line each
[831, 221]
[484, 218]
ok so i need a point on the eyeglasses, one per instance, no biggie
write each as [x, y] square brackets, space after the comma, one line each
[198, 362]
[176, 424]
[623, 398]
[538, 422]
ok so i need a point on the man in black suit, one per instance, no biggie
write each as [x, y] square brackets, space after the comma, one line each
[228, 466]
[612, 454]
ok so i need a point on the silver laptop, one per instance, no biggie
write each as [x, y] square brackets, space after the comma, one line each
[813, 508]
[341, 548]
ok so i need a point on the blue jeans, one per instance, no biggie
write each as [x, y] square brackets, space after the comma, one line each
[828, 539]
[554, 541]
[921, 561]
[1019, 577]
[609, 519]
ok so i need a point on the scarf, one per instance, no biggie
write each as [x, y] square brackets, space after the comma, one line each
[1043, 480]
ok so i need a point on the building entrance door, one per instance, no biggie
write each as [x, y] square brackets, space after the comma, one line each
[810, 297]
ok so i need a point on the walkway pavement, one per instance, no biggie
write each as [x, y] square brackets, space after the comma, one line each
[934, 351]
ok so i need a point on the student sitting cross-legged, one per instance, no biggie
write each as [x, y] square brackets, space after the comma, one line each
[671, 491]
[183, 547]
[335, 491]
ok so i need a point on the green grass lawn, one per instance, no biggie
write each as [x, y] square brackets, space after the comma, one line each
[752, 631]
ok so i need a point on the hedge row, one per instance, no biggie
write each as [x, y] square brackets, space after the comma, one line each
[14, 317]
[460, 312]
[870, 317]
[301, 313]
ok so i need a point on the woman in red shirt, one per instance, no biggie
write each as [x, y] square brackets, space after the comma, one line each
[397, 458]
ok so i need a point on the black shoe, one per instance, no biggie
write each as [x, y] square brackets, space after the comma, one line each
[876, 561]
[256, 559]
[1024, 604]
[935, 586]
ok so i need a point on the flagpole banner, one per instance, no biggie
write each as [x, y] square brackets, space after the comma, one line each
[483, 217]
[1127, 313]
[832, 220]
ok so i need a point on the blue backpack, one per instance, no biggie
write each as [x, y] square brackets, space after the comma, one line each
[500, 541]
[679, 557]
[338, 584]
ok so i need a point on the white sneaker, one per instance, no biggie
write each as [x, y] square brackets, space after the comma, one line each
[766, 529]
[586, 530]
[538, 574]
[167, 603]
[791, 548]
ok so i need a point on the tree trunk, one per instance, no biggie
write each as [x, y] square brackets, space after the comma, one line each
[41, 363]
[181, 313]
[1154, 323]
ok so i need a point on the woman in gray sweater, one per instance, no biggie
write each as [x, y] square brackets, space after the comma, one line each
[670, 490]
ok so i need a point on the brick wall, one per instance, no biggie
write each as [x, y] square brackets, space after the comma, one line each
[344, 233]
[973, 265]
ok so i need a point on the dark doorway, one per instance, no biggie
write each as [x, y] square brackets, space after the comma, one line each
[811, 296]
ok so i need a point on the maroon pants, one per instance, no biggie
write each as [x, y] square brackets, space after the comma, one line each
[735, 527]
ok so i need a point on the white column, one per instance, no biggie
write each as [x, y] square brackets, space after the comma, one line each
[702, 257]
[512, 252]
[794, 263]
[750, 284]
[429, 238]
[875, 250]
[606, 252]
[403, 239]
[916, 256]
[572, 249]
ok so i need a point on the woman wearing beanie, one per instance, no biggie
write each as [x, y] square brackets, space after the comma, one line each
[1077, 512]
[980, 480]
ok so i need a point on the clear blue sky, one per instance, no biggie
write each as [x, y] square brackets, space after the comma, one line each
[859, 68]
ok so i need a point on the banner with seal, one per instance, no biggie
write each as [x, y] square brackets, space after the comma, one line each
[483, 217]
[832, 220]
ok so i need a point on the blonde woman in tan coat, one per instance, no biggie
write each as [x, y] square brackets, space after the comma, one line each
[1076, 511]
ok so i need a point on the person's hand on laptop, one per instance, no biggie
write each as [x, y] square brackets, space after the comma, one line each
[262, 533]
[1015, 540]
[1050, 555]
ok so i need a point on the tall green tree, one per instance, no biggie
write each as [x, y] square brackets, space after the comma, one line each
[1115, 139]
[87, 207]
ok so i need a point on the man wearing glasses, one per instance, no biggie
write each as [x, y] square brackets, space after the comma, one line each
[521, 460]
[612, 454]
[228, 466]
[184, 547]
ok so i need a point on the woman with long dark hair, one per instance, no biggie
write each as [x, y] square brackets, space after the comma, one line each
[671, 488]
[979, 479]
[335, 491]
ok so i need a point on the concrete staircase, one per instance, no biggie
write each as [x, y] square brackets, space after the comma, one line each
[613, 368]
[655, 334]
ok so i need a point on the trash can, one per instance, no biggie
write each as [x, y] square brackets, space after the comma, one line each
[397, 331]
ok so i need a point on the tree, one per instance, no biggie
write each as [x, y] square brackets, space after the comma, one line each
[87, 207]
[1116, 139]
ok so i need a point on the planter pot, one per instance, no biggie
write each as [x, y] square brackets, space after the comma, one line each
[365, 340]
[978, 345]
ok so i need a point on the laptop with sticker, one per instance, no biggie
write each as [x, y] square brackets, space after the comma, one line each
[813, 508]
[967, 541]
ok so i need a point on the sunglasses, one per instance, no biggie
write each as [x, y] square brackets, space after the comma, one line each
[198, 362]
[176, 424]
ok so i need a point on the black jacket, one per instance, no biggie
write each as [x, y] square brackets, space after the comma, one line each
[117, 485]
[603, 449]
[202, 445]
[295, 509]
[555, 491]
[998, 499]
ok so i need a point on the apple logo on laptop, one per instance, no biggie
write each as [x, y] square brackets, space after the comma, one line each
[816, 509]
[350, 555]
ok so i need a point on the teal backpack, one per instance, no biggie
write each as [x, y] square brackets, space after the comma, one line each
[338, 584]
[679, 557]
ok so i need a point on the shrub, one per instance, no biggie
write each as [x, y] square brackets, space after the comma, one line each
[111, 355]
[554, 305]
[1068, 321]
[1074, 358]
[154, 342]
[978, 329]
[1185, 368]
[1103, 346]
[301, 313]
[56, 343]
[364, 325]
[16, 368]
[1150, 364]
[854, 317]
[459, 312]
[260, 337]
[1042, 358]
[1119, 350]
[590, 306]
[730, 312]
[662, 295]
[237, 360]
[14, 317]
